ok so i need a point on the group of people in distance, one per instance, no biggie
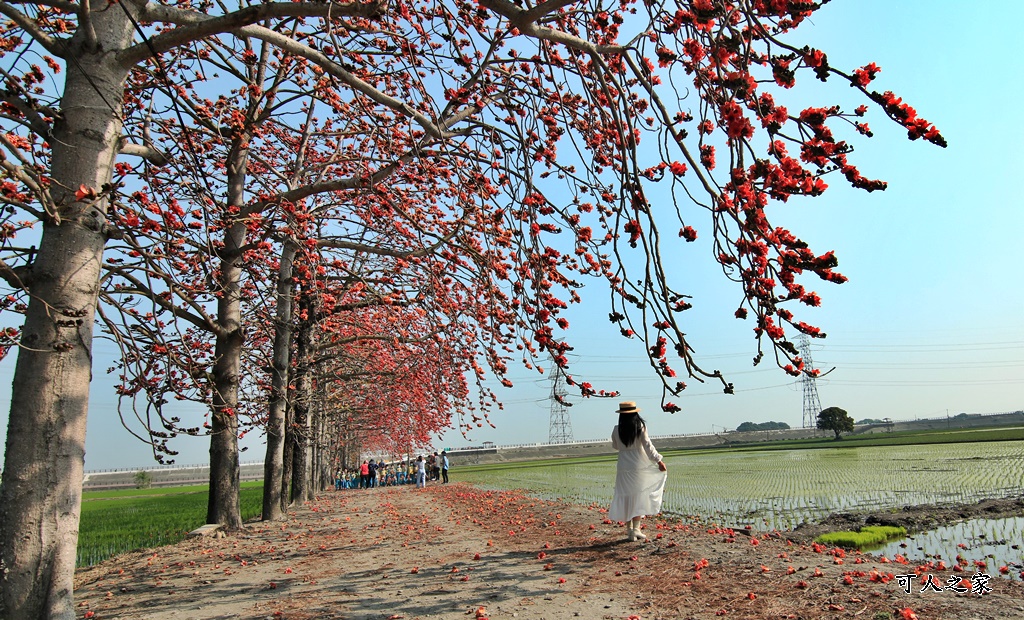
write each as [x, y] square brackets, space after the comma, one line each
[640, 472]
[434, 467]
[372, 473]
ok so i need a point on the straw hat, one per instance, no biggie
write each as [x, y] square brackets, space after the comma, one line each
[628, 407]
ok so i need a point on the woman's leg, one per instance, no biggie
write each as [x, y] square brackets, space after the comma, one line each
[635, 526]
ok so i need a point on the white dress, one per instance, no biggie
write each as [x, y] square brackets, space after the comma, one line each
[639, 484]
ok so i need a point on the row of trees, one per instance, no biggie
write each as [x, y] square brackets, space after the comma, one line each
[332, 222]
[762, 426]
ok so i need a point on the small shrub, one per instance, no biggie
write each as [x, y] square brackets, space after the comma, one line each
[143, 479]
[867, 536]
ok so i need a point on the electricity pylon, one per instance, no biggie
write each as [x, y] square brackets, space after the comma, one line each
[812, 405]
[560, 427]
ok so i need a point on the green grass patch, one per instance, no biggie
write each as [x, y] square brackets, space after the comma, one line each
[867, 536]
[114, 525]
[169, 490]
[899, 438]
[542, 463]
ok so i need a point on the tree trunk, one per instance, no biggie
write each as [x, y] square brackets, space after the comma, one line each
[300, 456]
[300, 405]
[273, 465]
[289, 454]
[40, 502]
[224, 504]
[323, 462]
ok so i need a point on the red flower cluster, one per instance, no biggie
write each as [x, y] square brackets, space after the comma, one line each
[907, 116]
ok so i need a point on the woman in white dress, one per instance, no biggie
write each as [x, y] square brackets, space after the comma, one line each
[639, 475]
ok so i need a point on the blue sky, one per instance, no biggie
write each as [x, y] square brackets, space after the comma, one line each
[932, 319]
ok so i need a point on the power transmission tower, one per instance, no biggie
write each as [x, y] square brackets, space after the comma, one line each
[560, 427]
[812, 406]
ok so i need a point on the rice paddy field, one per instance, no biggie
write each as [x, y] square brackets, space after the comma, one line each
[780, 489]
[115, 522]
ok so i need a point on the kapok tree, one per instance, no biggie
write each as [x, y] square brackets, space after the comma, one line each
[373, 320]
[176, 256]
[388, 237]
[381, 390]
[677, 94]
[60, 155]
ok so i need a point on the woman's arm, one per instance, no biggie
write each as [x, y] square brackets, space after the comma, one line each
[616, 442]
[652, 452]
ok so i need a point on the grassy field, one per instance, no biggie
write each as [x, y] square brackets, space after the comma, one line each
[114, 522]
[123, 493]
[899, 438]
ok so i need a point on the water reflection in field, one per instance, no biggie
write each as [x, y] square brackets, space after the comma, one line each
[781, 489]
[993, 546]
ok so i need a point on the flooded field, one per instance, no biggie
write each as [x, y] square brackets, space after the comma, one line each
[782, 489]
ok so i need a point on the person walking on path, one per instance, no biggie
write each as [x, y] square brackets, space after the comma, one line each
[364, 475]
[444, 465]
[373, 474]
[640, 473]
[421, 472]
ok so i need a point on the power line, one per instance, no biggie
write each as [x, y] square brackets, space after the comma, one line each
[926, 348]
[926, 382]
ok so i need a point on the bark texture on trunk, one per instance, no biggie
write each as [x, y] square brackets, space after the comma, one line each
[300, 410]
[289, 455]
[273, 465]
[224, 504]
[300, 456]
[44, 460]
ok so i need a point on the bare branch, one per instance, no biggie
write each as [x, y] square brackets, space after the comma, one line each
[144, 151]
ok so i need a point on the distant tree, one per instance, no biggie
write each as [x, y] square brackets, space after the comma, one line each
[836, 420]
[762, 426]
[143, 479]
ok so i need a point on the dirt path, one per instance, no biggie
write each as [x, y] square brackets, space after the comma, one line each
[455, 552]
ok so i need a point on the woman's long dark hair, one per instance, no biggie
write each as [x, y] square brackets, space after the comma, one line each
[631, 425]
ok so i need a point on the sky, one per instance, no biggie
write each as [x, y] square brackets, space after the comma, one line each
[931, 322]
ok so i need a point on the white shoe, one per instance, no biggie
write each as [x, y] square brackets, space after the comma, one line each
[630, 534]
[639, 535]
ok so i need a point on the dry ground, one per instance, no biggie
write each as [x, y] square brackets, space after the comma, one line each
[455, 552]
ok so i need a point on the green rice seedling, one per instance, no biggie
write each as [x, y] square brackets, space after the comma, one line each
[995, 540]
[109, 527]
[784, 488]
[867, 536]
